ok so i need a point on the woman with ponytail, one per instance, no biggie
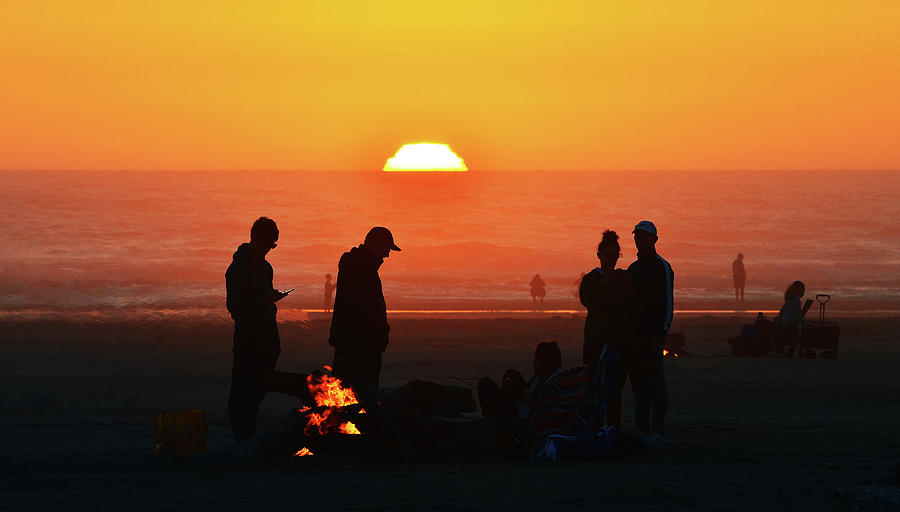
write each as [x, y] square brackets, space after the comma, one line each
[607, 294]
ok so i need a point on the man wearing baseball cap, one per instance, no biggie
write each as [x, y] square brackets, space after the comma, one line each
[359, 328]
[652, 279]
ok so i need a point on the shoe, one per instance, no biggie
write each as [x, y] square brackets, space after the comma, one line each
[653, 439]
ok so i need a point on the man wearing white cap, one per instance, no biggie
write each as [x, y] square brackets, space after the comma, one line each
[653, 281]
[359, 328]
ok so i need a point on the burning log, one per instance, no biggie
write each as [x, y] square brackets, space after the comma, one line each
[331, 399]
[322, 419]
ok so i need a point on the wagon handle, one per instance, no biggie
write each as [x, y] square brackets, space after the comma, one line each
[822, 299]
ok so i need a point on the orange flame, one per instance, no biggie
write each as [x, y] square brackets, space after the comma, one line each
[350, 428]
[328, 392]
[666, 352]
[303, 452]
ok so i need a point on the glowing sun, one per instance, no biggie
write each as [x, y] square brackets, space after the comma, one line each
[425, 156]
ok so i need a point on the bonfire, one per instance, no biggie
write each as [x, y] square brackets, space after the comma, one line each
[327, 417]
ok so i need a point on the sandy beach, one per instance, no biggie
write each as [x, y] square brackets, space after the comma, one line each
[743, 434]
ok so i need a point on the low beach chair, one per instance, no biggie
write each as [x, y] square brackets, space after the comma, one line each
[559, 407]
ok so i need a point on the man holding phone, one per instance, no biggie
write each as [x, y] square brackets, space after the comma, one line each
[251, 301]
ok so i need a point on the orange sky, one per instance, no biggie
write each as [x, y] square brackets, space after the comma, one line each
[513, 85]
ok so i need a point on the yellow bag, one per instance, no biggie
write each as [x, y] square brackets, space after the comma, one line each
[180, 432]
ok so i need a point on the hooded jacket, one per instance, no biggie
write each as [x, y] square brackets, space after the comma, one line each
[359, 318]
[653, 281]
[248, 282]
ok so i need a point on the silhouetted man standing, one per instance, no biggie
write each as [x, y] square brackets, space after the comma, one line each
[740, 277]
[251, 302]
[359, 328]
[652, 279]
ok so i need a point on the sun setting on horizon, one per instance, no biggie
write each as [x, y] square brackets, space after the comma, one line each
[425, 156]
[577, 85]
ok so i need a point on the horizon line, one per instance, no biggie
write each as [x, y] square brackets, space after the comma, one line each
[729, 169]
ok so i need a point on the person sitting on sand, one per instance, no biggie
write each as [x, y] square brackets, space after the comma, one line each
[790, 320]
[755, 339]
[538, 288]
[515, 399]
[607, 294]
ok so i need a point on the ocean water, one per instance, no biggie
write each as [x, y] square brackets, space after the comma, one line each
[159, 242]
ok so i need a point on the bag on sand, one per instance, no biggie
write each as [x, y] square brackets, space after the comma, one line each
[180, 432]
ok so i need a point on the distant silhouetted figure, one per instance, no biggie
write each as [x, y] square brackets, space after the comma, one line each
[653, 280]
[359, 327]
[251, 301]
[790, 320]
[329, 292]
[607, 294]
[740, 277]
[578, 285]
[538, 288]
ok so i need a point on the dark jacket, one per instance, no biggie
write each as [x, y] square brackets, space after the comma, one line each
[610, 308]
[248, 282]
[653, 281]
[359, 319]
